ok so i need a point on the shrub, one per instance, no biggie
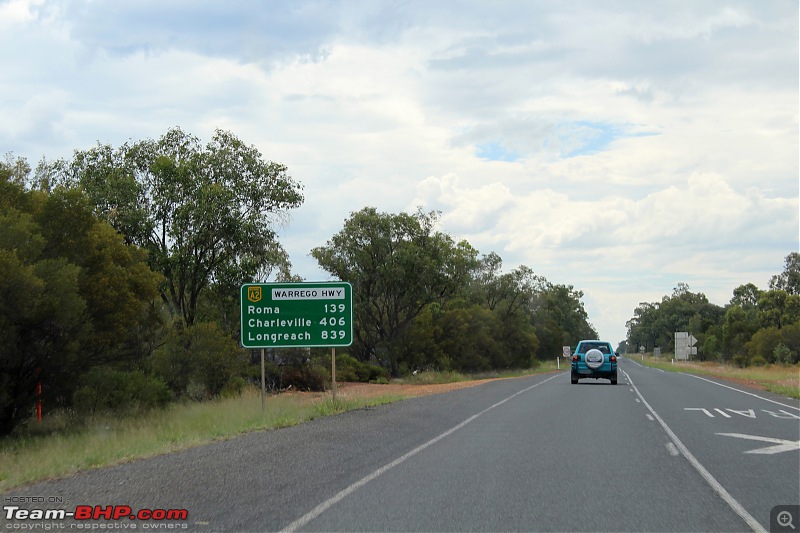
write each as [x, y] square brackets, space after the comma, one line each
[758, 361]
[308, 377]
[105, 389]
[783, 354]
[739, 360]
[198, 361]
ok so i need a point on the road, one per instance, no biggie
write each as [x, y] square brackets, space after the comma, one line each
[660, 451]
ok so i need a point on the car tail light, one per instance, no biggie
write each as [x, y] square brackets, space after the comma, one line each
[613, 358]
[575, 358]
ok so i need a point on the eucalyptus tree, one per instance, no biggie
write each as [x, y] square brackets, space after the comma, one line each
[398, 264]
[205, 213]
[73, 296]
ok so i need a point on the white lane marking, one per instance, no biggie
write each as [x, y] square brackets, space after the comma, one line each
[723, 413]
[715, 485]
[650, 417]
[743, 392]
[706, 411]
[673, 451]
[782, 444]
[330, 502]
[638, 401]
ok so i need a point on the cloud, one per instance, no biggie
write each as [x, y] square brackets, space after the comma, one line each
[619, 147]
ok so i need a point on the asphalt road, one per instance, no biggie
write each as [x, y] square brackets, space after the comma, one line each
[660, 451]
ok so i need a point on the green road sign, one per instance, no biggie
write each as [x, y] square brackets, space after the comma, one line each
[297, 315]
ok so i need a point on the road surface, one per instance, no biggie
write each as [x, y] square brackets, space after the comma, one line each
[660, 451]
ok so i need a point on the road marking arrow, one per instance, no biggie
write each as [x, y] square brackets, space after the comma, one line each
[782, 445]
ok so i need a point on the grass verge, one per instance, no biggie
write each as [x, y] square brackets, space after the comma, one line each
[108, 441]
[24, 460]
[783, 380]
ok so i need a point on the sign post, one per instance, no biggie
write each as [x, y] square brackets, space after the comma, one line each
[296, 315]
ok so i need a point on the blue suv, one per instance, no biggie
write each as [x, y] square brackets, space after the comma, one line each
[594, 359]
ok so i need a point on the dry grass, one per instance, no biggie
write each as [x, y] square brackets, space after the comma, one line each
[780, 379]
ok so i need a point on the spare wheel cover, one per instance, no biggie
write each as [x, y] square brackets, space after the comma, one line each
[594, 358]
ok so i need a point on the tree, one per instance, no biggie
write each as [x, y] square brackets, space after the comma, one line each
[72, 296]
[205, 213]
[746, 296]
[397, 265]
[789, 279]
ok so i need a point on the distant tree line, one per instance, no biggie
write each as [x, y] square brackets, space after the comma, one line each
[120, 271]
[756, 327]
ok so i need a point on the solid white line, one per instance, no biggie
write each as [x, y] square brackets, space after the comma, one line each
[715, 485]
[327, 504]
[743, 392]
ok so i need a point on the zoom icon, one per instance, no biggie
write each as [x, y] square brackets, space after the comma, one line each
[784, 518]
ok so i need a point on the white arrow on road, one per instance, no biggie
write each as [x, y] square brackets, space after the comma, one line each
[782, 445]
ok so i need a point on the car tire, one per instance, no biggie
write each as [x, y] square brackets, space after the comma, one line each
[614, 380]
[574, 381]
[593, 354]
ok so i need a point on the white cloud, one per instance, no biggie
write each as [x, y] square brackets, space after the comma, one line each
[680, 121]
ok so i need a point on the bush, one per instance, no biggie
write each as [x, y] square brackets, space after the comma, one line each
[199, 361]
[739, 360]
[106, 389]
[758, 361]
[783, 355]
[348, 368]
[308, 377]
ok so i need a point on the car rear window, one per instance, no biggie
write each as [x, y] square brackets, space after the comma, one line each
[603, 347]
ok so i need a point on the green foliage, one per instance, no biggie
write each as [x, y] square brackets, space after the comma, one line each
[751, 328]
[783, 355]
[202, 212]
[789, 279]
[348, 368]
[397, 265]
[199, 361]
[763, 343]
[104, 389]
[307, 377]
[72, 296]
[740, 361]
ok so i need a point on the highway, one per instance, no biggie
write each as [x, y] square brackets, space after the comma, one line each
[660, 451]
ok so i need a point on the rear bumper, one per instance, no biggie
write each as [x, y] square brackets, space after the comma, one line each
[607, 371]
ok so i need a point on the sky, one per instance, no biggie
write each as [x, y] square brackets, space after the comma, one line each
[621, 147]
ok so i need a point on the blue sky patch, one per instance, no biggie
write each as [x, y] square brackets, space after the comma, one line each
[585, 137]
[494, 151]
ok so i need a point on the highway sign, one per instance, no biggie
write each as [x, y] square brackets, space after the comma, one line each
[684, 345]
[296, 315]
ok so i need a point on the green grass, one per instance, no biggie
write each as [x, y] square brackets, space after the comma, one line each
[110, 441]
[779, 379]
[61, 446]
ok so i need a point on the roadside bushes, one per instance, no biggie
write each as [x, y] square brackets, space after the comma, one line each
[200, 362]
[105, 389]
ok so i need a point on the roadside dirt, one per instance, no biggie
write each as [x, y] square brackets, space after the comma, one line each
[372, 390]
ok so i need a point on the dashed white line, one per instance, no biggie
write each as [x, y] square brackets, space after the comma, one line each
[673, 451]
[715, 485]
